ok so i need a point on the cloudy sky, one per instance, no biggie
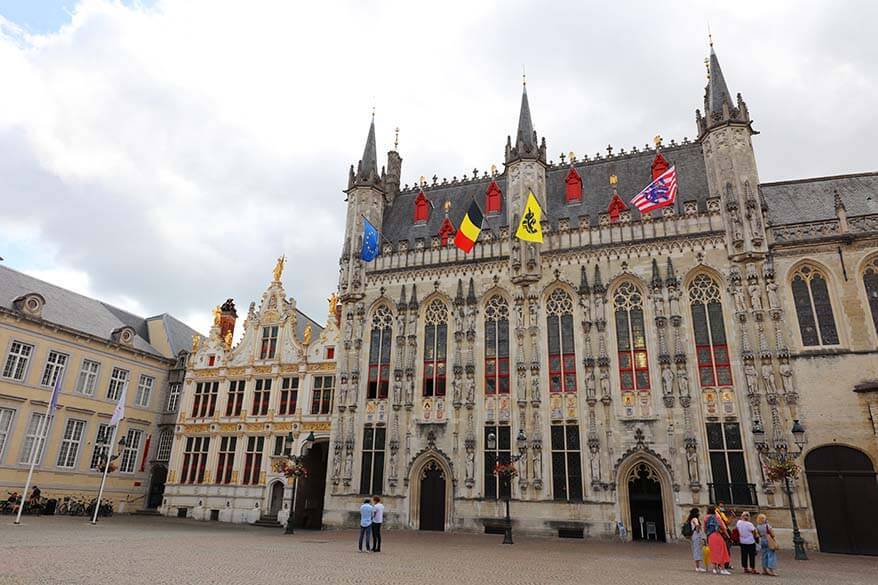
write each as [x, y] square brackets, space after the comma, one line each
[161, 154]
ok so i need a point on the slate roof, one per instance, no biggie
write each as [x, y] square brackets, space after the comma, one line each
[302, 320]
[633, 170]
[806, 200]
[91, 316]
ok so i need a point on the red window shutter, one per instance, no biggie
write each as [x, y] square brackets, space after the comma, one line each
[573, 186]
[422, 208]
[659, 166]
[493, 198]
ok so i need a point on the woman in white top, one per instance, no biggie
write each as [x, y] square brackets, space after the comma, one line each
[747, 537]
[697, 540]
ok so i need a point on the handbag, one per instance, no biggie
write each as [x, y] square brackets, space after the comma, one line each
[772, 543]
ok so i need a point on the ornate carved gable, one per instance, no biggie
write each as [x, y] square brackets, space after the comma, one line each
[616, 207]
[659, 166]
[572, 186]
[446, 230]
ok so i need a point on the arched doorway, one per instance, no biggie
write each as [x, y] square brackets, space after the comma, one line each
[844, 497]
[156, 486]
[431, 514]
[311, 490]
[645, 500]
[276, 498]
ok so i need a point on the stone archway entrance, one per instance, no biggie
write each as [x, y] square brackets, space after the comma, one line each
[156, 486]
[431, 514]
[311, 489]
[646, 505]
[276, 498]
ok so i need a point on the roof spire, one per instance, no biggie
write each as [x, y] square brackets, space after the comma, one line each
[367, 168]
[720, 107]
[526, 143]
[717, 90]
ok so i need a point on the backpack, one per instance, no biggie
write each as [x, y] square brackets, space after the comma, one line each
[736, 535]
[710, 525]
[687, 529]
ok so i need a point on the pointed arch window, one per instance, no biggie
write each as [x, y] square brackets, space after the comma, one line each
[870, 282]
[379, 354]
[497, 346]
[573, 187]
[813, 307]
[435, 342]
[422, 208]
[711, 346]
[631, 338]
[493, 198]
[562, 352]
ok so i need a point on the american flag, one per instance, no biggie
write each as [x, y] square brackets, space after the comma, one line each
[660, 193]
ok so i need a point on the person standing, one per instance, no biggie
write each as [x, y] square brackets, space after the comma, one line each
[767, 544]
[747, 537]
[377, 520]
[697, 540]
[716, 532]
[729, 520]
[366, 511]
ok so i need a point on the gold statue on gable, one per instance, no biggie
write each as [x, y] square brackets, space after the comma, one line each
[196, 339]
[306, 337]
[228, 339]
[333, 305]
[216, 316]
[279, 267]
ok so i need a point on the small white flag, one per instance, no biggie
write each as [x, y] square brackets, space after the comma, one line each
[119, 411]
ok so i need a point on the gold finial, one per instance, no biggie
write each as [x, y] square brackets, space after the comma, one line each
[195, 341]
[613, 180]
[228, 339]
[570, 156]
[657, 140]
[422, 181]
[493, 170]
[333, 304]
[446, 206]
[216, 316]
[279, 267]
[396, 138]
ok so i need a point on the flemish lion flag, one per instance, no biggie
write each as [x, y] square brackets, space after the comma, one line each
[470, 228]
[529, 228]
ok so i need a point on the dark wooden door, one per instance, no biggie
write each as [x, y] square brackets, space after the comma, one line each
[432, 512]
[844, 497]
[647, 513]
[157, 487]
[277, 498]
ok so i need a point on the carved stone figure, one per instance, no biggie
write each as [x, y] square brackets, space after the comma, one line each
[397, 391]
[535, 386]
[751, 375]
[773, 298]
[590, 384]
[458, 318]
[599, 308]
[738, 295]
[692, 464]
[768, 378]
[412, 327]
[683, 382]
[470, 390]
[336, 465]
[455, 390]
[470, 465]
[471, 318]
[659, 302]
[674, 298]
[537, 458]
[594, 463]
[585, 306]
[755, 296]
[349, 463]
[786, 377]
[409, 391]
[737, 225]
[667, 381]
[605, 382]
[533, 311]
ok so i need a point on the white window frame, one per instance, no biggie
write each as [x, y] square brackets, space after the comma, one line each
[173, 397]
[7, 416]
[71, 441]
[117, 383]
[101, 449]
[130, 451]
[34, 433]
[166, 441]
[18, 360]
[144, 390]
[89, 374]
[56, 363]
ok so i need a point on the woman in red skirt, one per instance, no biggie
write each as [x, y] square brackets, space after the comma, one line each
[716, 532]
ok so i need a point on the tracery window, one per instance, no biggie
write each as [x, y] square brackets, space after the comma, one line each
[711, 346]
[870, 281]
[631, 338]
[435, 338]
[379, 353]
[562, 352]
[813, 307]
[497, 346]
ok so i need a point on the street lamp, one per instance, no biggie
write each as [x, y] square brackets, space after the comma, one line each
[296, 470]
[783, 461]
[521, 444]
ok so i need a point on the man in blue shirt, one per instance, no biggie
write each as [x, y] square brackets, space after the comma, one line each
[366, 511]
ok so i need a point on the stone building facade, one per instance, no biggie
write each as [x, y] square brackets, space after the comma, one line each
[639, 365]
[239, 404]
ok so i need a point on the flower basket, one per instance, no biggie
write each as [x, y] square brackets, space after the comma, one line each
[290, 469]
[780, 470]
[102, 465]
[505, 471]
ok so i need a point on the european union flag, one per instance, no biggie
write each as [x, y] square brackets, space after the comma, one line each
[370, 241]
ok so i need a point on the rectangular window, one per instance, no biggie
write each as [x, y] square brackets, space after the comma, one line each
[118, 382]
[173, 398]
[236, 398]
[562, 354]
[330, 353]
[88, 377]
[379, 362]
[226, 461]
[253, 460]
[102, 445]
[70, 442]
[372, 474]
[261, 397]
[194, 459]
[435, 342]
[55, 364]
[166, 439]
[269, 343]
[130, 450]
[204, 403]
[289, 395]
[566, 464]
[711, 350]
[279, 444]
[144, 390]
[34, 445]
[17, 360]
[321, 397]
[6, 415]
[631, 341]
[497, 356]
[727, 467]
[502, 453]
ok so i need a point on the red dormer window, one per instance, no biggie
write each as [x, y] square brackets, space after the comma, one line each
[446, 230]
[422, 208]
[493, 198]
[616, 207]
[573, 187]
[659, 166]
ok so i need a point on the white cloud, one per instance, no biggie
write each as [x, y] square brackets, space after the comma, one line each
[165, 156]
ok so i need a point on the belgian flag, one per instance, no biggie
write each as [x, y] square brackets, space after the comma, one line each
[470, 228]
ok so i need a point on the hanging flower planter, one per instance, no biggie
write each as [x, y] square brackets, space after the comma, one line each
[505, 471]
[780, 470]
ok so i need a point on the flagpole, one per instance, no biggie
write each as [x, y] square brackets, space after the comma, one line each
[40, 444]
[107, 461]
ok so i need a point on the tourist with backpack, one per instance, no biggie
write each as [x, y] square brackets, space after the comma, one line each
[692, 530]
[716, 532]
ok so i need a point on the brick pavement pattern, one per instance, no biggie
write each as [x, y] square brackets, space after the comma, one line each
[156, 551]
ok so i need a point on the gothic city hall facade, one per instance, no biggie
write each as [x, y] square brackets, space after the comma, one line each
[632, 366]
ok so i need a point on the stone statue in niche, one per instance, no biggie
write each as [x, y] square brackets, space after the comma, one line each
[471, 318]
[683, 381]
[751, 375]
[674, 298]
[349, 327]
[412, 328]
[599, 308]
[397, 391]
[470, 390]
[521, 390]
[659, 301]
[359, 323]
[755, 225]
[585, 306]
[590, 384]
[458, 318]
[336, 464]
[409, 391]
[786, 377]
[533, 312]
[393, 458]
[594, 463]
[537, 458]
[470, 466]
[755, 296]
[667, 381]
[349, 463]
[773, 298]
[400, 323]
[692, 463]
[737, 225]
[455, 389]
[738, 295]
[531, 255]
[768, 378]
[535, 386]
[605, 383]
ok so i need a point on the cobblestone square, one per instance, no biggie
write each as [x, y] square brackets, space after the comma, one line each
[157, 551]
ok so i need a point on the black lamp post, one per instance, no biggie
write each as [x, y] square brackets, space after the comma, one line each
[782, 456]
[521, 444]
[297, 461]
